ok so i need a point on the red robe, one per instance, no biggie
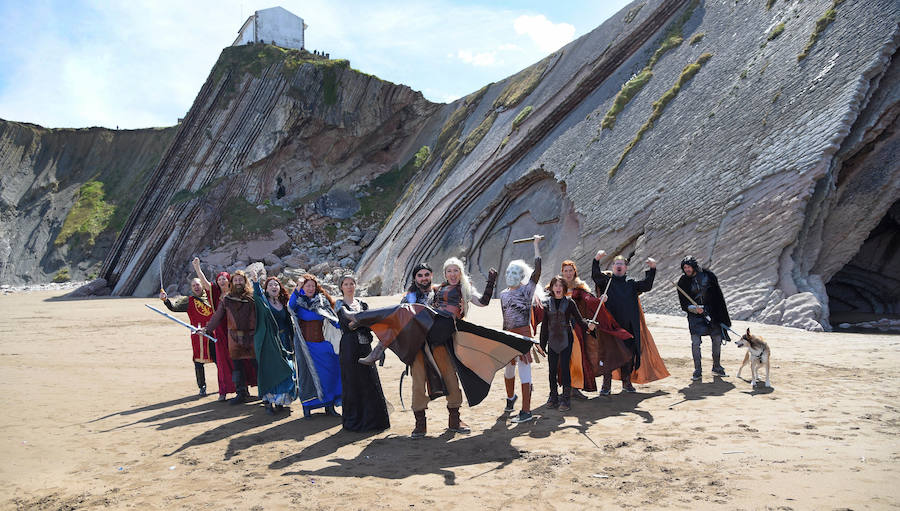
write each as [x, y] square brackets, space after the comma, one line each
[199, 313]
[604, 350]
[224, 363]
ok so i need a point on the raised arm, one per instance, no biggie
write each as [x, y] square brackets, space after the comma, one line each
[646, 284]
[179, 305]
[200, 275]
[536, 274]
[485, 298]
[597, 274]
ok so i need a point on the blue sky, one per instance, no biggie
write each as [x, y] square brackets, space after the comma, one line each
[140, 63]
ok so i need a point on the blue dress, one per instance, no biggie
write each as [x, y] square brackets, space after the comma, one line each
[311, 313]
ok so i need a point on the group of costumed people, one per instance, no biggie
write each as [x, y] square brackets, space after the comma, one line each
[290, 345]
[306, 346]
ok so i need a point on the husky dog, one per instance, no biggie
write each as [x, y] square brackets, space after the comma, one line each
[757, 353]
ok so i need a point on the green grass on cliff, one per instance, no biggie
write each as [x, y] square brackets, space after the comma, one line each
[686, 74]
[521, 116]
[821, 24]
[779, 28]
[522, 84]
[384, 192]
[672, 39]
[628, 91]
[241, 217]
[254, 58]
[478, 133]
[89, 217]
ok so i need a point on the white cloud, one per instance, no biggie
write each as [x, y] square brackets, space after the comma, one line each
[548, 36]
[485, 59]
[141, 63]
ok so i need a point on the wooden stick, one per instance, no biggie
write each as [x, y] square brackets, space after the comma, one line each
[525, 240]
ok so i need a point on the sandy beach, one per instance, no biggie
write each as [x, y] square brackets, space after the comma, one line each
[100, 411]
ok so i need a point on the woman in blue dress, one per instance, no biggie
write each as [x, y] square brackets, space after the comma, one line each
[314, 307]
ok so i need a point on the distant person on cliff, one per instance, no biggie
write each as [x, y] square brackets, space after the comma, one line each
[314, 309]
[703, 287]
[199, 310]
[622, 301]
[237, 310]
[516, 305]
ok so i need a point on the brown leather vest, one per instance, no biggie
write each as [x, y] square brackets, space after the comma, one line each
[448, 300]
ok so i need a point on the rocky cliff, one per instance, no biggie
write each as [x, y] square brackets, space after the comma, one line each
[65, 193]
[759, 136]
[273, 134]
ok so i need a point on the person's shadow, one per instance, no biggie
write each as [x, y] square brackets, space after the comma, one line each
[288, 429]
[399, 457]
[698, 390]
[395, 457]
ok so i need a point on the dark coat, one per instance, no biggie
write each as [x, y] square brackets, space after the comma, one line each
[704, 289]
[555, 327]
[622, 298]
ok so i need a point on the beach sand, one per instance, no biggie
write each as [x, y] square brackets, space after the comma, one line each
[100, 411]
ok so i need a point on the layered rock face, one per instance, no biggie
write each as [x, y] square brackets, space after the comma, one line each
[45, 174]
[769, 167]
[759, 137]
[270, 127]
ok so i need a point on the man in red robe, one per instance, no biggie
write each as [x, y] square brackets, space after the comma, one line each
[199, 311]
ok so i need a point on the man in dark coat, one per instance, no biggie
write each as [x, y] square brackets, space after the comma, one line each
[622, 302]
[708, 316]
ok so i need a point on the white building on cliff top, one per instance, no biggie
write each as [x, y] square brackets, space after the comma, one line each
[275, 25]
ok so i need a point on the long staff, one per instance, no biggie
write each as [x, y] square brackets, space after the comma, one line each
[192, 328]
[705, 314]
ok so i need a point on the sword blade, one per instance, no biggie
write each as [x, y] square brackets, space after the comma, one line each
[192, 328]
[594, 319]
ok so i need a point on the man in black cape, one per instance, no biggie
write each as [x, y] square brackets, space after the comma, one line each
[621, 300]
[707, 316]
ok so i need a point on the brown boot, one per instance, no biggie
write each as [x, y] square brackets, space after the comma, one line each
[455, 424]
[371, 358]
[419, 431]
[564, 403]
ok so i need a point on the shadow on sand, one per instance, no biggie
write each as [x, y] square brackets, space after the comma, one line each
[698, 390]
[391, 457]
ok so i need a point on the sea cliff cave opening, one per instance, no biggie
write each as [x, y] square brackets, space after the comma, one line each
[868, 287]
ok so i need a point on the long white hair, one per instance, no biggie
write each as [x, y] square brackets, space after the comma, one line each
[465, 286]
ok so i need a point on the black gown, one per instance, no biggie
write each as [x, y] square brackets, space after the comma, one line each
[364, 407]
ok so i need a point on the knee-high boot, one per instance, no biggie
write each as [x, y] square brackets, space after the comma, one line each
[200, 373]
[237, 376]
